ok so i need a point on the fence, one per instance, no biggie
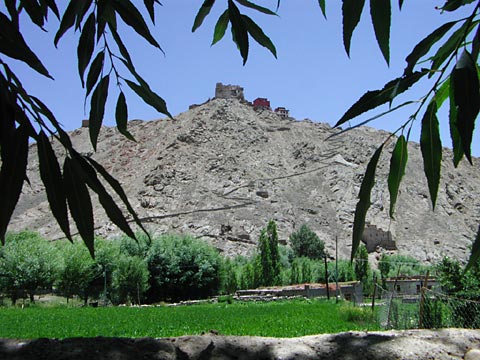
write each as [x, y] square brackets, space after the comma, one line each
[429, 310]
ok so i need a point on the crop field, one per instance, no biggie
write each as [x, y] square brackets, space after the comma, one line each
[277, 319]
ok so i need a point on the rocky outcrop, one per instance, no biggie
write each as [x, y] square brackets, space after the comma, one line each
[221, 170]
[408, 345]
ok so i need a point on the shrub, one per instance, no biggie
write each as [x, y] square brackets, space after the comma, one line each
[305, 243]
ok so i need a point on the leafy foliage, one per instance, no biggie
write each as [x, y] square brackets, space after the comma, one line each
[306, 243]
[182, 267]
[98, 59]
[362, 267]
[130, 279]
[269, 255]
[27, 264]
[77, 271]
[454, 68]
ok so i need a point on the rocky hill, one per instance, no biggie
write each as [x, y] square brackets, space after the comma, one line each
[221, 170]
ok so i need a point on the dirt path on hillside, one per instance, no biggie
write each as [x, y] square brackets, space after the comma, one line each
[411, 344]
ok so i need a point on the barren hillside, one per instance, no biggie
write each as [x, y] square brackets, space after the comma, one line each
[221, 170]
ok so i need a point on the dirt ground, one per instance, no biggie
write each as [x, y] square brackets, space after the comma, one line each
[411, 344]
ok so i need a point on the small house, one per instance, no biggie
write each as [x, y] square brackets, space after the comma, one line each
[282, 112]
[261, 104]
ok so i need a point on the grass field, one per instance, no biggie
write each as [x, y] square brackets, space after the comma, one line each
[277, 319]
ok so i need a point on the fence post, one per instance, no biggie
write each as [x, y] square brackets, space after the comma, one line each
[374, 291]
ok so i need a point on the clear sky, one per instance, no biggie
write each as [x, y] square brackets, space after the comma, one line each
[313, 77]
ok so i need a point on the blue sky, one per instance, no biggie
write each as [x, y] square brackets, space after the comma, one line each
[313, 77]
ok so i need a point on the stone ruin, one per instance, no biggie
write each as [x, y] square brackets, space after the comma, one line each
[374, 237]
[229, 92]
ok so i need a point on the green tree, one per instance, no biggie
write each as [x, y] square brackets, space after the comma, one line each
[306, 243]
[181, 268]
[384, 268]
[77, 271]
[269, 255]
[130, 279]
[346, 271]
[28, 263]
[362, 267]
[229, 277]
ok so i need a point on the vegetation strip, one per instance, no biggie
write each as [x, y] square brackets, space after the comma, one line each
[279, 319]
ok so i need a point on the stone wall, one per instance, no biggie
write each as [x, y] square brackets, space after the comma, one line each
[351, 291]
[373, 237]
[229, 92]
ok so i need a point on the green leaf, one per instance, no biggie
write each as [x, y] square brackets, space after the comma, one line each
[475, 254]
[53, 181]
[79, 202]
[452, 5]
[53, 6]
[431, 147]
[111, 209]
[149, 97]
[373, 99]
[466, 97]
[68, 19]
[398, 163]
[476, 44]
[239, 30]
[35, 12]
[150, 5]
[97, 109]
[351, 12]
[121, 116]
[454, 134]
[86, 44]
[132, 17]
[424, 46]
[258, 34]
[381, 13]
[13, 172]
[442, 93]
[119, 190]
[220, 27]
[451, 45]
[364, 201]
[251, 5]
[365, 122]
[322, 5]
[121, 46]
[105, 15]
[94, 72]
[13, 44]
[202, 13]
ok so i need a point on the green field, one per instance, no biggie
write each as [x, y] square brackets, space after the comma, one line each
[277, 319]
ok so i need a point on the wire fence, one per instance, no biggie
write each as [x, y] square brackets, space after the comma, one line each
[427, 310]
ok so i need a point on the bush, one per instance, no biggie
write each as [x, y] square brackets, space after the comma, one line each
[305, 243]
[182, 268]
